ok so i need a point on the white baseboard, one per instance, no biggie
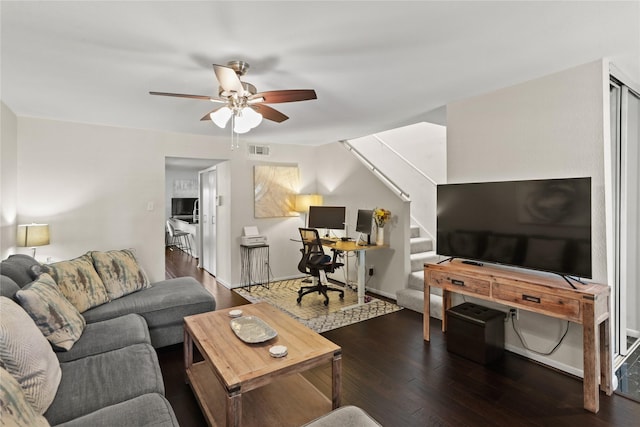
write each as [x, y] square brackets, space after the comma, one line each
[375, 291]
[544, 360]
[225, 284]
[382, 293]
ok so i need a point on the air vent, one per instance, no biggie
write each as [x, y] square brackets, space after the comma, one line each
[259, 150]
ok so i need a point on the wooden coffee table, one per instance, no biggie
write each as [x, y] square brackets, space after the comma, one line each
[242, 384]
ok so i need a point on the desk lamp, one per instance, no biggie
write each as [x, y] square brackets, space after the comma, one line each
[32, 235]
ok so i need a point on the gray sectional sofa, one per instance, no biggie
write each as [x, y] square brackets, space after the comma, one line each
[345, 416]
[110, 374]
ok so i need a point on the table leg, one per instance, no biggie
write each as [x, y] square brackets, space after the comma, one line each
[361, 280]
[606, 367]
[234, 408]
[446, 305]
[188, 354]
[426, 313]
[336, 382]
[591, 354]
[362, 267]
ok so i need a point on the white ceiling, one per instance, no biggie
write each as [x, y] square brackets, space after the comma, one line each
[374, 65]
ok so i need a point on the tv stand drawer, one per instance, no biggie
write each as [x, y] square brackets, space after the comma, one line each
[543, 302]
[460, 283]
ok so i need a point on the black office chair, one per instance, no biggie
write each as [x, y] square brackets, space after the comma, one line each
[316, 263]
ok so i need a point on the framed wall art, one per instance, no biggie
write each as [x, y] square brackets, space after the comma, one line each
[274, 190]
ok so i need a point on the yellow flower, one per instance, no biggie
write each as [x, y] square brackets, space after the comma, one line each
[381, 216]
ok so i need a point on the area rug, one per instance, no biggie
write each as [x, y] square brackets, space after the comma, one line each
[312, 312]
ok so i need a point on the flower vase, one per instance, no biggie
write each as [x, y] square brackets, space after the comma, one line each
[380, 236]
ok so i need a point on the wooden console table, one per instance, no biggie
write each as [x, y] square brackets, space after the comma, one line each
[542, 293]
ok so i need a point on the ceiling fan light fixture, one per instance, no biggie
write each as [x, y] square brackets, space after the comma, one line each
[243, 104]
[240, 125]
[221, 116]
[251, 116]
[246, 119]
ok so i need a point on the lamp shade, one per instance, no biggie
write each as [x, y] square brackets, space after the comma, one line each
[246, 119]
[252, 116]
[31, 235]
[221, 116]
[303, 201]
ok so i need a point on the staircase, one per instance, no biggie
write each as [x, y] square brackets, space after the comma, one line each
[390, 155]
[413, 296]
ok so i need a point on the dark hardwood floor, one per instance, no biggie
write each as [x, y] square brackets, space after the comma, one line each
[389, 371]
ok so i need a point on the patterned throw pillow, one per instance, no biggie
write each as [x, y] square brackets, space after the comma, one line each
[79, 282]
[120, 272]
[27, 355]
[56, 317]
[14, 408]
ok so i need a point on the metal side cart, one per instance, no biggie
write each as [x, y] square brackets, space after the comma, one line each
[254, 265]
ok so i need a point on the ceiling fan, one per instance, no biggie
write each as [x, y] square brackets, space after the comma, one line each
[241, 102]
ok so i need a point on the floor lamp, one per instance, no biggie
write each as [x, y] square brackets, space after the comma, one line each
[302, 203]
[32, 235]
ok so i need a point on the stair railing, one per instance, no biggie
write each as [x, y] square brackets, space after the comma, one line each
[404, 159]
[383, 177]
[428, 181]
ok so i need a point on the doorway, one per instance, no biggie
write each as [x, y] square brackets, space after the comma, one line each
[625, 148]
[182, 181]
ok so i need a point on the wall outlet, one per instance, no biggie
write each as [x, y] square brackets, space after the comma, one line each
[371, 270]
[514, 312]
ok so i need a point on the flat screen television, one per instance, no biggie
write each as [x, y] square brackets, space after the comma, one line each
[538, 224]
[181, 206]
[328, 217]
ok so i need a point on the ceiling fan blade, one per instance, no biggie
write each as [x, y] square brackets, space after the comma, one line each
[207, 116]
[269, 113]
[229, 80]
[278, 96]
[182, 95]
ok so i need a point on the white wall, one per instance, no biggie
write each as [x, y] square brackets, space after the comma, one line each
[284, 253]
[552, 127]
[8, 180]
[415, 150]
[93, 185]
[424, 144]
[344, 181]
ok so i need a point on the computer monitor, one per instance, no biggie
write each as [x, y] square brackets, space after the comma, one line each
[328, 217]
[364, 223]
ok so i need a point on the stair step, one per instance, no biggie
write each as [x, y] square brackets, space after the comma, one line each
[418, 260]
[414, 230]
[421, 244]
[414, 300]
[416, 282]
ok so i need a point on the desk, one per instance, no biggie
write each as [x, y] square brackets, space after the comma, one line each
[360, 250]
[546, 294]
